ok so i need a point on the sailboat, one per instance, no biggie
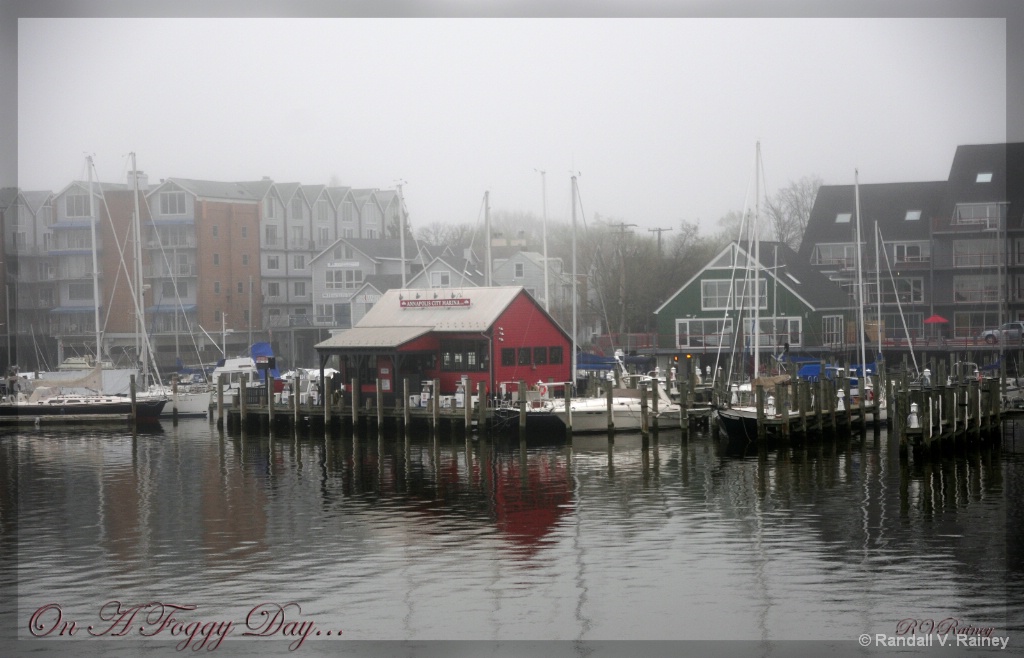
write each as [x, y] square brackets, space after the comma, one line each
[47, 400]
[739, 416]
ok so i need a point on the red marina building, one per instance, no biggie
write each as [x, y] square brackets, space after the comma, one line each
[490, 335]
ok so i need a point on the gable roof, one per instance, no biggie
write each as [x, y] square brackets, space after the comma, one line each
[387, 323]
[803, 281]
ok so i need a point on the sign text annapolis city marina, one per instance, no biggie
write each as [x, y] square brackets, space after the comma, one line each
[434, 303]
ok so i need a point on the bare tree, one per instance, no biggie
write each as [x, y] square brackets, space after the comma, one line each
[790, 209]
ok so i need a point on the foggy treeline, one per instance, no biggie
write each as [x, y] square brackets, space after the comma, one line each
[632, 269]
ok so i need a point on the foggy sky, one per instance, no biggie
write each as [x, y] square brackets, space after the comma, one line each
[659, 116]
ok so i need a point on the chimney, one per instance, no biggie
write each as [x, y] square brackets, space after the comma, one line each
[143, 179]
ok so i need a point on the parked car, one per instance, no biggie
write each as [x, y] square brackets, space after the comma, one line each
[1009, 331]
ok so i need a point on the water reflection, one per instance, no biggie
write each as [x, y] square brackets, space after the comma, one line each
[667, 537]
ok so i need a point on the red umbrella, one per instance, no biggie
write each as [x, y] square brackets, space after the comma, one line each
[936, 319]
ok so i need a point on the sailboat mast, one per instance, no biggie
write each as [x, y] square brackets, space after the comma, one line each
[487, 222]
[140, 327]
[860, 282]
[544, 231]
[95, 263]
[757, 264]
[878, 290]
[572, 360]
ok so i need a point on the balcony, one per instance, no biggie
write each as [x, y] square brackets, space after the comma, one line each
[960, 225]
[162, 271]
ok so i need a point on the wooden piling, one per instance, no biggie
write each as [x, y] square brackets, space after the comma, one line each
[644, 419]
[243, 385]
[355, 403]
[759, 406]
[135, 410]
[522, 406]
[481, 401]
[435, 406]
[608, 401]
[220, 400]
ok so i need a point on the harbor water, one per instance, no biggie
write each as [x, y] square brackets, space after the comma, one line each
[187, 539]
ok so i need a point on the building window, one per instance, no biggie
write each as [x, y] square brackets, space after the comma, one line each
[298, 261]
[268, 207]
[245, 259]
[832, 330]
[540, 356]
[216, 287]
[245, 231]
[524, 356]
[840, 254]
[325, 236]
[296, 208]
[714, 294]
[170, 290]
[270, 234]
[701, 333]
[986, 214]
[508, 356]
[977, 253]
[215, 230]
[983, 177]
[555, 354]
[216, 259]
[913, 215]
[519, 270]
[172, 203]
[912, 252]
[463, 355]
[440, 279]
[321, 210]
[902, 290]
[273, 289]
[843, 218]
[300, 288]
[76, 205]
[79, 291]
[973, 289]
[273, 263]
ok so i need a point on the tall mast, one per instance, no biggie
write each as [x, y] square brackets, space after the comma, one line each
[757, 263]
[860, 283]
[878, 290]
[401, 229]
[572, 360]
[95, 264]
[140, 324]
[544, 197]
[487, 223]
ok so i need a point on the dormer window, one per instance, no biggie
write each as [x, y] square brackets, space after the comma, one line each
[913, 215]
[984, 177]
[843, 218]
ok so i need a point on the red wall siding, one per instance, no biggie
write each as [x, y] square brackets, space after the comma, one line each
[525, 325]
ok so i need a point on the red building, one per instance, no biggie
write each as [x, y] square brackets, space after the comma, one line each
[489, 335]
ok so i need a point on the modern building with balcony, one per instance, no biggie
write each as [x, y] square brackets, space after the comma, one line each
[950, 254]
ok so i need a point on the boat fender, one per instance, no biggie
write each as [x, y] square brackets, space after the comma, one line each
[543, 390]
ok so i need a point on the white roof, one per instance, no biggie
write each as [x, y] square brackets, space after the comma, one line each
[404, 314]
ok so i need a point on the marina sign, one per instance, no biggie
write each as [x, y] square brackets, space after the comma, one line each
[434, 303]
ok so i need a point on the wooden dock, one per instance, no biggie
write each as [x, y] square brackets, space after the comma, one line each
[252, 410]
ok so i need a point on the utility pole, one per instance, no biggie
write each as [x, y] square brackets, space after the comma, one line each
[659, 231]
